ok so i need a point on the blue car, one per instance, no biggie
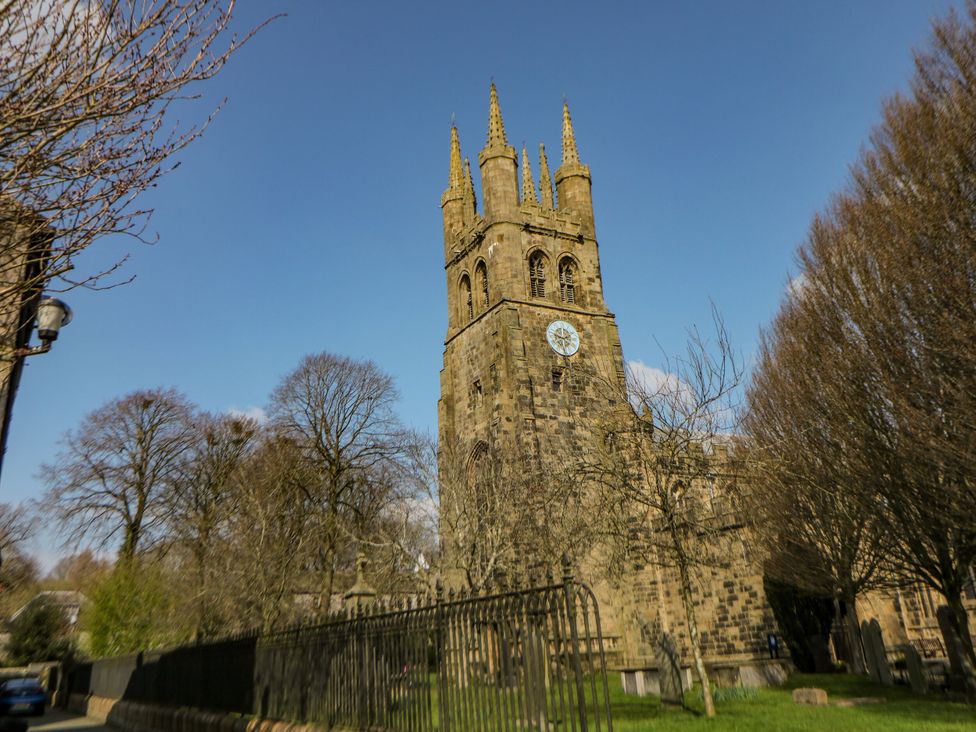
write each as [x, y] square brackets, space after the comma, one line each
[22, 696]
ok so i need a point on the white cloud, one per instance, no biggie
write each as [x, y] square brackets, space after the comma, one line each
[255, 413]
[647, 380]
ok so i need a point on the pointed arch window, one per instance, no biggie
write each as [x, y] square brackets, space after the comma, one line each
[567, 280]
[483, 284]
[467, 305]
[537, 275]
[479, 480]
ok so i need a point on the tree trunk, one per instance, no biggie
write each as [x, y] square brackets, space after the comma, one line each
[689, 604]
[964, 641]
[854, 639]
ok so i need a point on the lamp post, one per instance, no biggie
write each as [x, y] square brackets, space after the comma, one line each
[49, 317]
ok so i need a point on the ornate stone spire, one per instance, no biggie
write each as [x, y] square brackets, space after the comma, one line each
[545, 180]
[570, 153]
[496, 127]
[455, 178]
[528, 187]
[470, 201]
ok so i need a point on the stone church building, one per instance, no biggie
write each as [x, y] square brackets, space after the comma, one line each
[531, 348]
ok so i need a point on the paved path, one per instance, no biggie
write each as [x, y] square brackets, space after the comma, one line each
[55, 720]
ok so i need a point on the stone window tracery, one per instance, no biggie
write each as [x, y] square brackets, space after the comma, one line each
[483, 284]
[537, 275]
[467, 304]
[567, 280]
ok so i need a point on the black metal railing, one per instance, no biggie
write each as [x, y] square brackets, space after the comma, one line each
[500, 661]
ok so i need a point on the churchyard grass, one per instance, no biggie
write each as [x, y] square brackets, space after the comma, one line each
[772, 710]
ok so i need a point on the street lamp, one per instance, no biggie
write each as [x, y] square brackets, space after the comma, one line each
[52, 314]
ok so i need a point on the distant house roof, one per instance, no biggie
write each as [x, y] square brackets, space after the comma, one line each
[68, 600]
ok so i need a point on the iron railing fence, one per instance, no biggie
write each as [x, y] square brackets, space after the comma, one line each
[501, 661]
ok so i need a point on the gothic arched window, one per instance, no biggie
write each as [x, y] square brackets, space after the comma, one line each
[567, 280]
[467, 305]
[537, 275]
[482, 277]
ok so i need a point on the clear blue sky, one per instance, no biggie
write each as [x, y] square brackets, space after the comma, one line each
[308, 218]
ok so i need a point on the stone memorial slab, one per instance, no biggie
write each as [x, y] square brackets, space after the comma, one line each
[815, 697]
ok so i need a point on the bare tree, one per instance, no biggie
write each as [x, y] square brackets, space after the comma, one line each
[113, 477]
[87, 96]
[80, 571]
[667, 478]
[18, 571]
[203, 498]
[891, 262]
[801, 507]
[270, 538]
[16, 526]
[339, 414]
[502, 510]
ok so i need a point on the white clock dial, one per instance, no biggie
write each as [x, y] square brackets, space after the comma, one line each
[563, 338]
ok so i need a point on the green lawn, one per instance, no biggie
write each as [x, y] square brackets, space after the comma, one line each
[771, 710]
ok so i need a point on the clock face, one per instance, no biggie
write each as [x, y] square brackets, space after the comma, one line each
[563, 338]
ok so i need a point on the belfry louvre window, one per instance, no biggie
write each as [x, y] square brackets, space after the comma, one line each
[467, 305]
[537, 275]
[483, 284]
[567, 280]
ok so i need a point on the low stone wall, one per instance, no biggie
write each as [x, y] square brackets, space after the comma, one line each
[135, 717]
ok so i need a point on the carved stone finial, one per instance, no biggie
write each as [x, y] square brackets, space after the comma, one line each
[570, 153]
[496, 127]
[528, 187]
[456, 175]
[470, 201]
[545, 179]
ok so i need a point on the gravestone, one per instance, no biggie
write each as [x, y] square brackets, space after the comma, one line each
[916, 673]
[869, 659]
[669, 671]
[875, 654]
[821, 654]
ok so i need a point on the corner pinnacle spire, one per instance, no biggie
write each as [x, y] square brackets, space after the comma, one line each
[455, 179]
[545, 179]
[570, 153]
[496, 127]
[528, 187]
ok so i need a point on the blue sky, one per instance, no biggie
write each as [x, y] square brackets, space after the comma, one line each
[308, 217]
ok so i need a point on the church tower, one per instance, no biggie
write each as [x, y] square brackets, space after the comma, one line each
[529, 338]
